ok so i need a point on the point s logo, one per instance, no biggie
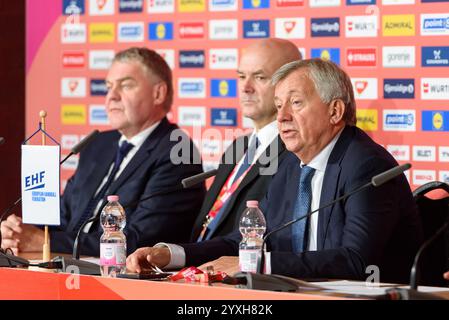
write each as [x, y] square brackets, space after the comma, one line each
[435, 24]
[35, 181]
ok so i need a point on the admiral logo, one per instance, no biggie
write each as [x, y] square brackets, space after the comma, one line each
[168, 55]
[73, 7]
[325, 27]
[161, 31]
[101, 7]
[328, 54]
[191, 30]
[191, 5]
[73, 87]
[223, 5]
[73, 60]
[435, 88]
[400, 153]
[361, 26]
[397, 2]
[399, 120]
[73, 33]
[290, 28]
[256, 4]
[367, 119]
[398, 25]
[289, 3]
[131, 32]
[256, 29]
[324, 3]
[224, 117]
[192, 116]
[435, 56]
[444, 176]
[361, 57]
[435, 24]
[359, 2]
[98, 115]
[223, 29]
[435, 120]
[399, 88]
[161, 6]
[443, 154]
[191, 59]
[68, 141]
[223, 59]
[421, 177]
[223, 88]
[424, 153]
[100, 59]
[192, 88]
[98, 87]
[364, 88]
[128, 6]
[73, 114]
[398, 57]
[101, 32]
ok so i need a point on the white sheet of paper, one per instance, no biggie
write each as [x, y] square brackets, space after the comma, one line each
[41, 185]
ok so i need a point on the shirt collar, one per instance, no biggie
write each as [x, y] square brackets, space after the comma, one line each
[319, 162]
[266, 134]
[139, 138]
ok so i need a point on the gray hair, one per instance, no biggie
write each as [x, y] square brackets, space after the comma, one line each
[330, 81]
[153, 63]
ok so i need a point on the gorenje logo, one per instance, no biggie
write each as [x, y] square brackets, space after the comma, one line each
[223, 29]
[192, 116]
[325, 27]
[398, 57]
[399, 88]
[191, 59]
[435, 56]
[256, 29]
[399, 120]
[131, 6]
[130, 32]
[435, 88]
[435, 24]
[100, 59]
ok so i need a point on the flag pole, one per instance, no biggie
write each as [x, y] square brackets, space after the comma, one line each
[46, 256]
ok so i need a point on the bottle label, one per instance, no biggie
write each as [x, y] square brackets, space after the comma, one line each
[248, 260]
[112, 254]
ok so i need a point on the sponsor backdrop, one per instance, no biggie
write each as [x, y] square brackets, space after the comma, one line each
[395, 51]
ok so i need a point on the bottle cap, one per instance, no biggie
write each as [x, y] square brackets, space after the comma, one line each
[113, 198]
[252, 204]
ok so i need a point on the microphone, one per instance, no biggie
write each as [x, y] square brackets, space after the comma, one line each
[2, 140]
[75, 150]
[376, 181]
[185, 184]
[193, 180]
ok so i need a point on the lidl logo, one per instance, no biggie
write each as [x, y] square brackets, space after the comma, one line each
[127, 6]
[328, 54]
[223, 88]
[435, 120]
[73, 7]
[367, 119]
[224, 117]
[399, 88]
[398, 25]
[101, 32]
[256, 29]
[435, 56]
[325, 27]
[256, 4]
[223, 29]
[161, 31]
[73, 114]
[192, 5]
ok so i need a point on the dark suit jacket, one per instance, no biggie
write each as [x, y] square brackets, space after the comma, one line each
[162, 218]
[253, 186]
[377, 226]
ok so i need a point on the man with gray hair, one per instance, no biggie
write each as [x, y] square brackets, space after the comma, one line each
[375, 230]
[131, 161]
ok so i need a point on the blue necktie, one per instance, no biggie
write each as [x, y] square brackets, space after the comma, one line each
[121, 154]
[246, 163]
[302, 207]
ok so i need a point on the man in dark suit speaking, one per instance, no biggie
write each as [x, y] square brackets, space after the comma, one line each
[329, 157]
[131, 161]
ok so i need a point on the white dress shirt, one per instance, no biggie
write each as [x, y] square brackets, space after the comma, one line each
[266, 135]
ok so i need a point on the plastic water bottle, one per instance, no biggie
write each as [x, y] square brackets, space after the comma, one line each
[113, 240]
[252, 227]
